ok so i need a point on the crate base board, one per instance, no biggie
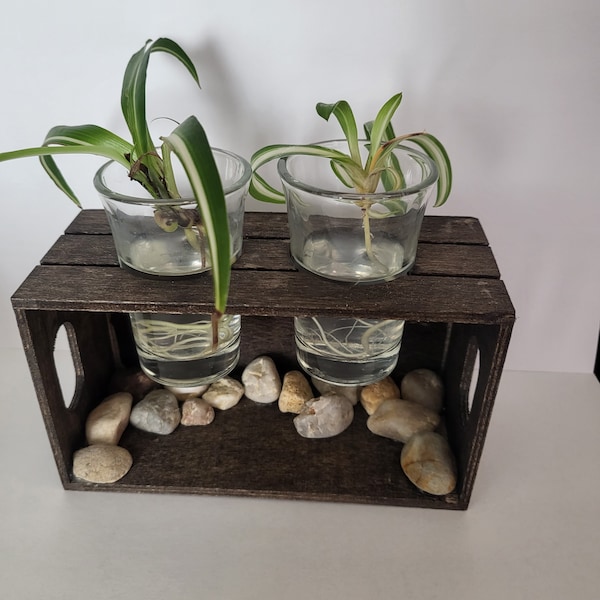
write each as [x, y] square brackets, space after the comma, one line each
[254, 450]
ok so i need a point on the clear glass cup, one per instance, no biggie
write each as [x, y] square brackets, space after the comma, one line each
[346, 350]
[142, 245]
[342, 235]
[178, 351]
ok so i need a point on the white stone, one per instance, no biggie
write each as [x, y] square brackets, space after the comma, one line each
[373, 395]
[224, 393]
[425, 387]
[325, 416]
[197, 411]
[295, 392]
[352, 392]
[429, 463]
[185, 393]
[101, 463]
[401, 419]
[158, 413]
[107, 422]
[261, 380]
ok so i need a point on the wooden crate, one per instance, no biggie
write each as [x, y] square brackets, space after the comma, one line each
[459, 320]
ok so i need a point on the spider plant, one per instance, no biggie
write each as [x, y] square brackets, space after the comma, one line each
[363, 175]
[152, 167]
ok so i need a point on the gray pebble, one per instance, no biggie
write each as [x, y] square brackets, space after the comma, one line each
[324, 417]
[261, 380]
[424, 387]
[158, 413]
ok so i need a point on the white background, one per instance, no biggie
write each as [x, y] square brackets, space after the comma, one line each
[510, 87]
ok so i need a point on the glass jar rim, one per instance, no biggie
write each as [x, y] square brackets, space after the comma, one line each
[285, 174]
[109, 193]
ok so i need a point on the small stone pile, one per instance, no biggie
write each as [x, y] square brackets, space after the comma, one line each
[409, 414]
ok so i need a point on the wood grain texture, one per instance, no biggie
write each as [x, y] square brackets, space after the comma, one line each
[456, 307]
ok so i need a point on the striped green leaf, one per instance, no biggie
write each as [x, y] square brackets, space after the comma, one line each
[343, 113]
[436, 151]
[262, 190]
[189, 143]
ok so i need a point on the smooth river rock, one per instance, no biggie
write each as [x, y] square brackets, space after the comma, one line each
[352, 392]
[373, 395]
[325, 416]
[107, 422]
[196, 411]
[429, 463]
[295, 392]
[101, 463]
[158, 413]
[425, 387]
[224, 393]
[401, 419]
[261, 380]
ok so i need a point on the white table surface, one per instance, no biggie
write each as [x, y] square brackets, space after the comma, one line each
[532, 530]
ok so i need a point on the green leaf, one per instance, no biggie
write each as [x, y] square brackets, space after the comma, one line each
[381, 123]
[133, 92]
[261, 190]
[343, 113]
[436, 151]
[189, 143]
[78, 139]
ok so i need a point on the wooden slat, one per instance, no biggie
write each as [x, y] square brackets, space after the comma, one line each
[434, 299]
[273, 255]
[435, 229]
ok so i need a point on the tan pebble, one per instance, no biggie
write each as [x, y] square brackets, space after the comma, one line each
[425, 387]
[429, 463]
[372, 395]
[101, 463]
[196, 411]
[295, 392]
[401, 419]
[107, 422]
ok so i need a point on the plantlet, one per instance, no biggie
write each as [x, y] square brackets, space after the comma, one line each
[365, 173]
[153, 167]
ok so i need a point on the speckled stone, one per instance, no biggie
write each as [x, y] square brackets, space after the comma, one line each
[424, 387]
[261, 380]
[325, 416]
[101, 463]
[224, 394]
[295, 392]
[107, 422]
[352, 392]
[373, 395]
[401, 419]
[158, 413]
[196, 411]
[429, 463]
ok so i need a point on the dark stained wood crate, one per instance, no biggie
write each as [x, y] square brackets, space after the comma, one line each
[459, 321]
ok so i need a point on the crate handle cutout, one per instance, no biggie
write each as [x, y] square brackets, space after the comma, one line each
[470, 377]
[68, 372]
